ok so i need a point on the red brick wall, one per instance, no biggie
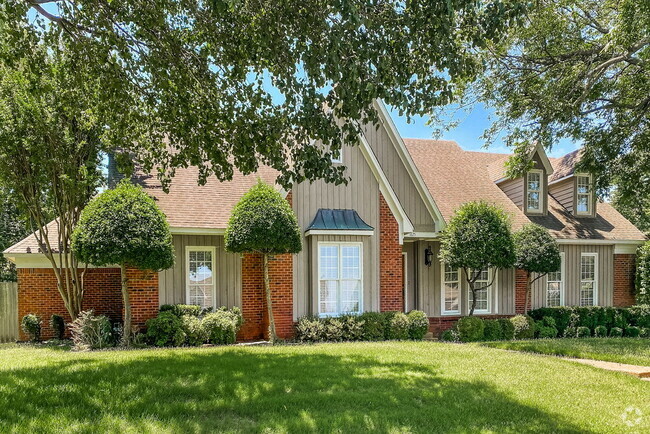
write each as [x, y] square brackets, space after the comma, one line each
[391, 279]
[624, 269]
[520, 291]
[437, 325]
[37, 293]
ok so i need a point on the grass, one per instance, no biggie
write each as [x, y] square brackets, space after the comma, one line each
[355, 387]
[622, 350]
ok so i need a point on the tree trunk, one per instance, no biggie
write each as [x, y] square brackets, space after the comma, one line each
[471, 311]
[528, 285]
[126, 329]
[269, 306]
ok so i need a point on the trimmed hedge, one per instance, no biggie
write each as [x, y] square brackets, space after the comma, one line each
[594, 316]
[470, 329]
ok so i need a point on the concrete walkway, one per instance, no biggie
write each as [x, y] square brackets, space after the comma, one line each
[642, 372]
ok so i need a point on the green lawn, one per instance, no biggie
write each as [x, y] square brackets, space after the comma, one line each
[621, 350]
[382, 387]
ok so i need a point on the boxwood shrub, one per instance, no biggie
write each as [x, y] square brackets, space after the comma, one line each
[182, 309]
[470, 329]
[507, 329]
[524, 326]
[632, 332]
[31, 325]
[418, 324]
[594, 316]
[165, 330]
[616, 332]
[600, 331]
[644, 332]
[492, 330]
[583, 332]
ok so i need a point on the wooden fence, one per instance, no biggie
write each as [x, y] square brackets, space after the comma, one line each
[8, 312]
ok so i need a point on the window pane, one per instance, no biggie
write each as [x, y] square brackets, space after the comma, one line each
[553, 294]
[200, 273]
[587, 294]
[351, 262]
[588, 267]
[329, 262]
[328, 296]
[350, 296]
[481, 299]
[533, 181]
[451, 296]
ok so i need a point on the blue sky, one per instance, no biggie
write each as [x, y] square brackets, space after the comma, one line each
[468, 132]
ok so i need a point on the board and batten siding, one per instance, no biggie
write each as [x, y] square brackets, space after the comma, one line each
[173, 282]
[563, 192]
[362, 195]
[399, 178]
[8, 312]
[572, 255]
[514, 189]
[429, 284]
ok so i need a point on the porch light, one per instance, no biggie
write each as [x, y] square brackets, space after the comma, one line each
[428, 256]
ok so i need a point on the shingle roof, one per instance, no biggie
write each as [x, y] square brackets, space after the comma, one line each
[29, 244]
[338, 219]
[564, 166]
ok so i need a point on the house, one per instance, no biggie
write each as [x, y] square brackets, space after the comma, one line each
[371, 245]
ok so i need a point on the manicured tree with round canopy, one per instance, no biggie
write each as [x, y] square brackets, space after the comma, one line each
[477, 237]
[125, 227]
[536, 251]
[264, 223]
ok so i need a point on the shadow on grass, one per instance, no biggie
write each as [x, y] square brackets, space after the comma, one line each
[239, 390]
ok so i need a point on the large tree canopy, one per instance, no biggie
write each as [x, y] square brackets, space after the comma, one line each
[577, 69]
[248, 82]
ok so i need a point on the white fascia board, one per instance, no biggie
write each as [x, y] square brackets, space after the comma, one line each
[39, 260]
[339, 232]
[196, 231]
[598, 242]
[422, 236]
[561, 179]
[408, 162]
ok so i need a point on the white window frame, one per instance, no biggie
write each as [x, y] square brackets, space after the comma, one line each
[589, 194]
[339, 245]
[212, 250]
[340, 159]
[540, 201]
[488, 290]
[562, 282]
[595, 279]
[443, 310]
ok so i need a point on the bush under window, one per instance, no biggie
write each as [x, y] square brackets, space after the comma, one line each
[419, 324]
[182, 309]
[524, 326]
[632, 332]
[616, 332]
[165, 330]
[222, 325]
[470, 329]
[600, 331]
[492, 330]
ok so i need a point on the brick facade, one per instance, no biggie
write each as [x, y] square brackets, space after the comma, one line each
[520, 291]
[437, 325]
[38, 293]
[391, 278]
[624, 272]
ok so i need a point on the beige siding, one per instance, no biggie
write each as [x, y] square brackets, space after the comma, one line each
[572, 276]
[173, 282]
[514, 189]
[429, 285]
[362, 195]
[410, 278]
[399, 178]
[563, 193]
[8, 312]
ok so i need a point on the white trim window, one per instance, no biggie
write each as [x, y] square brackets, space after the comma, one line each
[340, 278]
[482, 295]
[534, 190]
[200, 276]
[589, 279]
[450, 290]
[339, 159]
[555, 286]
[584, 194]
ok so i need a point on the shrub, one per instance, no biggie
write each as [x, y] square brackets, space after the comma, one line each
[470, 329]
[570, 332]
[644, 332]
[583, 332]
[310, 329]
[90, 332]
[632, 332]
[524, 326]
[507, 329]
[418, 324]
[643, 274]
[594, 316]
[399, 327]
[373, 326]
[31, 325]
[600, 331]
[165, 330]
[181, 309]
[616, 332]
[222, 325]
[194, 331]
[492, 330]
[352, 327]
[545, 328]
[58, 325]
[332, 329]
[450, 335]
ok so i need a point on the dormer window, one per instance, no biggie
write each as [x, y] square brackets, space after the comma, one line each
[584, 195]
[534, 193]
[337, 159]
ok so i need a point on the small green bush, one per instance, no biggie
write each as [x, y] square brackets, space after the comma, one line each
[222, 325]
[632, 332]
[470, 329]
[195, 333]
[31, 325]
[333, 329]
[600, 331]
[352, 327]
[507, 329]
[58, 325]
[399, 327]
[583, 332]
[181, 309]
[570, 332]
[450, 335]
[310, 329]
[418, 324]
[373, 326]
[616, 332]
[524, 326]
[90, 332]
[545, 329]
[492, 330]
[644, 332]
[165, 330]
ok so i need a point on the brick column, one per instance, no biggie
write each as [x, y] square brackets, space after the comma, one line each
[143, 294]
[520, 291]
[624, 273]
[391, 279]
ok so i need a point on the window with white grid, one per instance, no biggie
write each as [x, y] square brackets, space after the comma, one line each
[340, 278]
[534, 191]
[555, 286]
[200, 276]
[588, 279]
[450, 290]
[482, 292]
[584, 194]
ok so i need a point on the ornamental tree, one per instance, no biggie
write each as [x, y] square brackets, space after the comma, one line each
[477, 237]
[536, 251]
[124, 226]
[263, 222]
[643, 274]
